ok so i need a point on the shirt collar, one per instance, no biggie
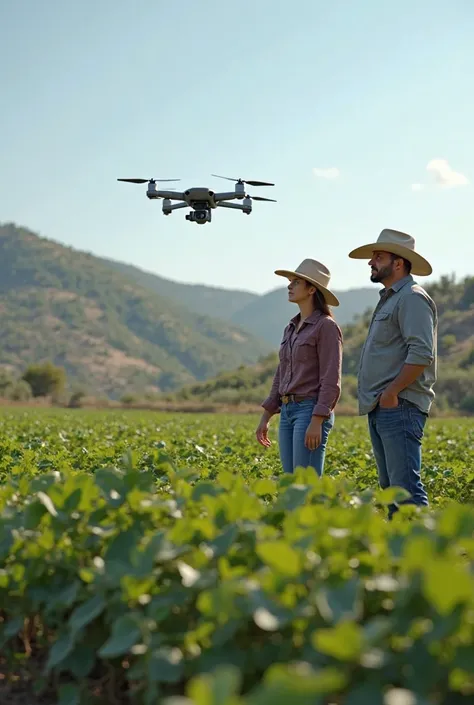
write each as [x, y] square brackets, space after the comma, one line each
[397, 286]
[313, 318]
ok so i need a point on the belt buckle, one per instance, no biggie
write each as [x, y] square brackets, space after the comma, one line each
[285, 399]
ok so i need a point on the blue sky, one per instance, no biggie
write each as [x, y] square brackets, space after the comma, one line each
[375, 92]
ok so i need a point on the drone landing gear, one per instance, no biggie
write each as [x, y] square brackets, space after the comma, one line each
[168, 206]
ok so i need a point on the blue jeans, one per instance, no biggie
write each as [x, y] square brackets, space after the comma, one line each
[396, 436]
[295, 418]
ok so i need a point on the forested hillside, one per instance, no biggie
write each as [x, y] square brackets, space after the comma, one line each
[108, 332]
[262, 315]
[455, 387]
[269, 314]
[206, 300]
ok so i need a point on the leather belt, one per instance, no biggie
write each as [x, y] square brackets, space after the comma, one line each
[287, 398]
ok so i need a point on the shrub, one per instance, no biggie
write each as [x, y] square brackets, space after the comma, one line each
[45, 379]
[137, 585]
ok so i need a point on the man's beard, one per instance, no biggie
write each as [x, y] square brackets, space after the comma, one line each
[381, 274]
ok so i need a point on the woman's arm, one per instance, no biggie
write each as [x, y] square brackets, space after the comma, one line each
[272, 402]
[330, 367]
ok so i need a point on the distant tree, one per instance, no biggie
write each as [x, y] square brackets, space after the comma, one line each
[13, 388]
[45, 379]
[6, 381]
[468, 360]
[447, 342]
[20, 391]
[76, 398]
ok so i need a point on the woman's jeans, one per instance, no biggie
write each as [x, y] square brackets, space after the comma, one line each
[295, 418]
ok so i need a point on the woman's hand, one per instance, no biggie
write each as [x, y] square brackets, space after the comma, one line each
[262, 431]
[313, 434]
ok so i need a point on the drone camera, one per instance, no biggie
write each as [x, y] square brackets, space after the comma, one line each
[199, 216]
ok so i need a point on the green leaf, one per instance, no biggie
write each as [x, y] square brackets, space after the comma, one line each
[69, 694]
[166, 665]
[86, 613]
[341, 602]
[217, 688]
[203, 488]
[80, 661]
[344, 642]
[294, 496]
[33, 514]
[63, 599]
[47, 502]
[464, 658]
[125, 634]
[60, 650]
[122, 545]
[280, 556]
[112, 484]
[264, 486]
[297, 684]
[391, 495]
[365, 694]
[73, 500]
[446, 585]
[13, 626]
[220, 546]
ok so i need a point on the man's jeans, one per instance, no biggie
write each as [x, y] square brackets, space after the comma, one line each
[396, 436]
[295, 418]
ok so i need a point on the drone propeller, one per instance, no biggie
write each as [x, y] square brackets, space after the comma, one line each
[260, 198]
[144, 181]
[244, 181]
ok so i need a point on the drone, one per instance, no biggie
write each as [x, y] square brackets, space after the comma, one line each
[202, 200]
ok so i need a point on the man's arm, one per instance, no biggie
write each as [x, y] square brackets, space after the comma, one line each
[416, 318]
[408, 374]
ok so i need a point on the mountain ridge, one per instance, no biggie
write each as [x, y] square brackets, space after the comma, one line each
[116, 328]
[454, 389]
[64, 305]
[265, 315]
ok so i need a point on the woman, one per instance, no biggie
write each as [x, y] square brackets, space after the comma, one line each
[307, 382]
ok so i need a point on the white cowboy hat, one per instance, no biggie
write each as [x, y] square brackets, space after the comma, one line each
[396, 243]
[316, 274]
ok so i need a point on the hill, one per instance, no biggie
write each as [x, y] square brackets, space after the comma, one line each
[268, 315]
[206, 300]
[108, 332]
[264, 315]
[455, 386]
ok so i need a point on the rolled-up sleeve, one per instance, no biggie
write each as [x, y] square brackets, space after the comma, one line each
[416, 318]
[272, 402]
[330, 367]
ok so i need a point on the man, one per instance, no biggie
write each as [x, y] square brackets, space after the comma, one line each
[398, 363]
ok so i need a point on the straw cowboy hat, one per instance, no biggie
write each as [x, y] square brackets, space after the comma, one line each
[396, 243]
[316, 274]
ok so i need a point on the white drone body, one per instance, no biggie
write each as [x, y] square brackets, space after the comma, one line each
[201, 199]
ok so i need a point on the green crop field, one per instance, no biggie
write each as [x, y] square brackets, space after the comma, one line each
[162, 558]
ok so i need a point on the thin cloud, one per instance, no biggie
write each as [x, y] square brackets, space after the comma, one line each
[444, 175]
[331, 173]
